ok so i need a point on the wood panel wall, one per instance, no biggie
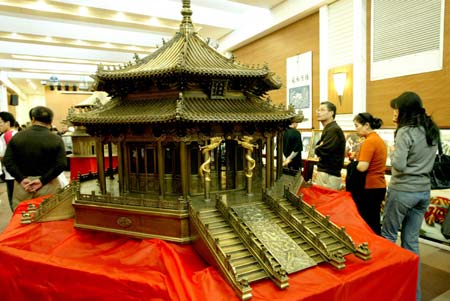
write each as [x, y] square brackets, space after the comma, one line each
[433, 87]
[276, 47]
[302, 36]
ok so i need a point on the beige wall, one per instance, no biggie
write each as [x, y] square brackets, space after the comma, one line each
[275, 48]
[22, 110]
[55, 100]
[60, 104]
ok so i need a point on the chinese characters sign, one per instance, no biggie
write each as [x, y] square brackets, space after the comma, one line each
[299, 86]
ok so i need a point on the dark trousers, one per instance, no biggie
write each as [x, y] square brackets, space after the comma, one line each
[369, 207]
[10, 190]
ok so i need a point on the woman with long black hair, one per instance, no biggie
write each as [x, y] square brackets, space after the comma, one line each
[412, 158]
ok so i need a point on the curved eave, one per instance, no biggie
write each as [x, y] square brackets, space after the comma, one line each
[233, 110]
[179, 70]
[192, 110]
[127, 112]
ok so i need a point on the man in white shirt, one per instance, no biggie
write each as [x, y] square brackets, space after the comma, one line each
[7, 122]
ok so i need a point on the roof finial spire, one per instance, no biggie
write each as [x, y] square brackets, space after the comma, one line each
[186, 25]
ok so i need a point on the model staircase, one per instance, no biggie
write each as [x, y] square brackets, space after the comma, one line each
[226, 250]
[256, 248]
[241, 251]
[240, 259]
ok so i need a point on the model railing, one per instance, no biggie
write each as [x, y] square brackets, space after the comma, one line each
[325, 222]
[142, 201]
[35, 213]
[240, 284]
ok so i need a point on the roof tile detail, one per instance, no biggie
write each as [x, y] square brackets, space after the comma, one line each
[188, 110]
[125, 112]
[187, 54]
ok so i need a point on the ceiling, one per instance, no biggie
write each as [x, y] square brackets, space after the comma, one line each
[51, 42]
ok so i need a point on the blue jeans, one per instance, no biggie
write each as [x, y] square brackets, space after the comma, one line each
[405, 210]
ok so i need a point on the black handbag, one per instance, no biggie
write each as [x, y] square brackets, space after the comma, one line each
[440, 174]
[355, 181]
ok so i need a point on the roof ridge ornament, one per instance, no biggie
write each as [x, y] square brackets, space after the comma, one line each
[179, 106]
[186, 26]
[136, 57]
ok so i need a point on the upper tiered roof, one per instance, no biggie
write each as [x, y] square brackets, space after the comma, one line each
[186, 53]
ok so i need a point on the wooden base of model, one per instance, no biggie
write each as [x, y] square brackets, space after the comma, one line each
[169, 225]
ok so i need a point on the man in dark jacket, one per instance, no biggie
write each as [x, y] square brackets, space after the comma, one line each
[330, 148]
[35, 157]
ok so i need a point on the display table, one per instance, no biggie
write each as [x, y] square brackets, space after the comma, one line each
[54, 261]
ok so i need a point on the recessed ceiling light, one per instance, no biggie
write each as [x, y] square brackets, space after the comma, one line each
[60, 60]
[154, 21]
[80, 42]
[54, 71]
[83, 10]
[120, 16]
[42, 5]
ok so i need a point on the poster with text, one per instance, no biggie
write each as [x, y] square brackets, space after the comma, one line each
[299, 86]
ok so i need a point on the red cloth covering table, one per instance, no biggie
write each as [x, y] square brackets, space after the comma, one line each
[87, 164]
[54, 261]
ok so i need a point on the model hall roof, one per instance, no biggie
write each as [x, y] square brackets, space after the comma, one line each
[186, 53]
[187, 81]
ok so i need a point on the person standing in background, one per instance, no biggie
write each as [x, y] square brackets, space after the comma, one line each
[293, 145]
[35, 157]
[412, 158]
[371, 159]
[7, 124]
[330, 148]
[62, 177]
[17, 126]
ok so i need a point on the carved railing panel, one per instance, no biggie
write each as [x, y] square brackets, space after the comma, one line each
[326, 224]
[240, 284]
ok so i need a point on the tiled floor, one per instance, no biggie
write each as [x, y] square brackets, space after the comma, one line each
[435, 261]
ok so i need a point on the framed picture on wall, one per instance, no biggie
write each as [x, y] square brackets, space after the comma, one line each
[388, 137]
[352, 143]
[306, 141]
[445, 140]
[315, 137]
